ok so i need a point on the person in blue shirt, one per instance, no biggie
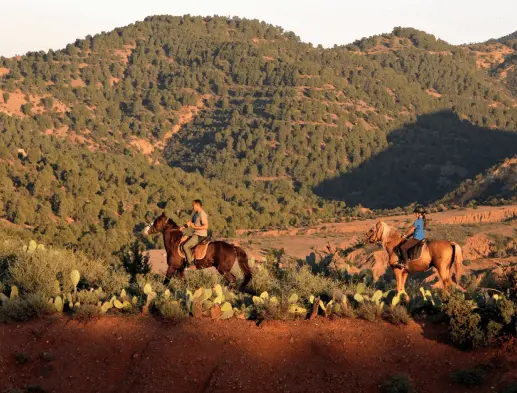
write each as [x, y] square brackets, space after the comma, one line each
[416, 233]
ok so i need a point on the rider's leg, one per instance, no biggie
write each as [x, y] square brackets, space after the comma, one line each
[406, 246]
[189, 244]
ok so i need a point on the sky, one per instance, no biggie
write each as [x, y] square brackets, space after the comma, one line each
[33, 25]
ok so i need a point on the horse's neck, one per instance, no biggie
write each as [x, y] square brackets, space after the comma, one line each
[390, 235]
[169, 239]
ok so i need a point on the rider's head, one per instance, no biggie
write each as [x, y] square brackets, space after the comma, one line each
[197, 205]
[420, 211]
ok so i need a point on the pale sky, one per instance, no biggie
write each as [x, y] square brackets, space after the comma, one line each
[33, 25]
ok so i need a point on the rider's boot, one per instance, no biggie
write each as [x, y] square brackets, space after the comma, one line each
[189, 265]
[405, 259]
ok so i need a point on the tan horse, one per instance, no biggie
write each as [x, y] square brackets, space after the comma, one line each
[440, 254]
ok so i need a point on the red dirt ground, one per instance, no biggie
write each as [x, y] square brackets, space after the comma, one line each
[143, 354]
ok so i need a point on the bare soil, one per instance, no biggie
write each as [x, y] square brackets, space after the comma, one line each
[143, 354]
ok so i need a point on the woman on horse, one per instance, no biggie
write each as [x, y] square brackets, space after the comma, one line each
[416, 233]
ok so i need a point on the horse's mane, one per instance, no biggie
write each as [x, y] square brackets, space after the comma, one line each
[387, 233]
[171, 222]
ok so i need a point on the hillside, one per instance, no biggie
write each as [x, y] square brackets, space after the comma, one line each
[268, 130]
[496, 185]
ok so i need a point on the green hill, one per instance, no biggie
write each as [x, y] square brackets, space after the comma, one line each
[268, 130]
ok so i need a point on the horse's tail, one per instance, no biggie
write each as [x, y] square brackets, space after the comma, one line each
[242, 259]
[457, 259]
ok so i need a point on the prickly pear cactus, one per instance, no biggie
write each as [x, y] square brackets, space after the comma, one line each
[297, 310]
[14, 292]
[293, 298]
[226, 311]
[75, 276]
[215, 311]
[148, 289]
[377, 296]
[58, 304]
[358, 298]
[197, 308]
[106, 306]
[361, 288]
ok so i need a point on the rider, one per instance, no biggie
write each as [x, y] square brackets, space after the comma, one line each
[199, 224]
[417, 231]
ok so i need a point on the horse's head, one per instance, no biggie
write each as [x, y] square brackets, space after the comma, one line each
[159, 225]
[376, 233]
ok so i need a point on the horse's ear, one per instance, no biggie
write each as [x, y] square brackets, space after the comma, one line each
[163, 214]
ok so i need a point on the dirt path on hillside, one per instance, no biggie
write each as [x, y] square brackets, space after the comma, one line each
[142, 354]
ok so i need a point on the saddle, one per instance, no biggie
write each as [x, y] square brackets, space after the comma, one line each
[415, 252]
[199, 251]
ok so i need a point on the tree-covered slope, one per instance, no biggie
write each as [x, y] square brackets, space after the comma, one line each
[97, 137]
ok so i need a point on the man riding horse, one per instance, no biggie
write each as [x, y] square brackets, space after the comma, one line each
[199, 223]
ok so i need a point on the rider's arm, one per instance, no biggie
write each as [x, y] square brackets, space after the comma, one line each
[204, 223]
[200, 227]
[410, 231]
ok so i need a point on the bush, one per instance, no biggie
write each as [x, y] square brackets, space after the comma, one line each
[87, 311]
[134, 261]
[38, 271]
[21, 358]
[469, 377]
[398, 384]
[197, 279]
[509, 389]
[304, 283]
[465, 326]
[170, 309]
[397, 315]
[369, 311]
[23, 309]
[264, 281]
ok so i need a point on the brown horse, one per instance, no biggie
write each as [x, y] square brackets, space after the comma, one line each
[440, 254]
[219, 254]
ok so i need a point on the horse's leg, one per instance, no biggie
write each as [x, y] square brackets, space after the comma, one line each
[399, 279]
[170, 272]
[230, 278]
[444, 271]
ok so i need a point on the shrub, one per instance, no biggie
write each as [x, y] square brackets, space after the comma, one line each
[21, 358]
[134, 260]
[465, 327]
[264, 281]
[193, 280]
[469, 377]
[170, 309]
[397, 315]
[398, 384]
[509, 389]
[369, 311]
[23, 309]
[38, 271]
[87, 311]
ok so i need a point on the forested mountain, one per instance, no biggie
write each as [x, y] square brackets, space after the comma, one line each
[268, 130]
